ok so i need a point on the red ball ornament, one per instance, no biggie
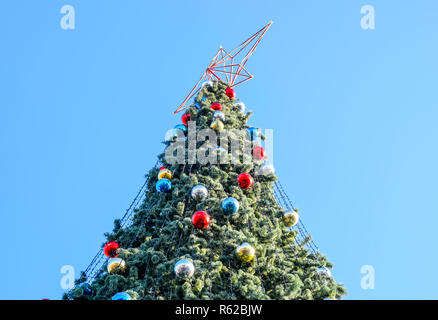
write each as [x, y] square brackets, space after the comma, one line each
[162, 168]
[230, 93]
[245, 180]
[216, 106]
[185, 118]
[201, 219]
[111, 249]
[258, 153]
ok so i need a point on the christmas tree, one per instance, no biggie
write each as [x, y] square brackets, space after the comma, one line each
[214, 223]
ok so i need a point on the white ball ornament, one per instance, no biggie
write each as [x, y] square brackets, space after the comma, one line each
[199, 192]
[184, 269]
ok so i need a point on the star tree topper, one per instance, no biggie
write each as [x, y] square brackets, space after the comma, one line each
[228, 67]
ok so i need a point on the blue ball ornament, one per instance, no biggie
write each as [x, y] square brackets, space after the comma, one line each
[197, 104]
[181, 127]
[230, 206]
[253, 133]
[121, 296]
[163, 185]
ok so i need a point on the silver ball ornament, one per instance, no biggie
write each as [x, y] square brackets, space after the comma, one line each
[324, 272]
[267, 169]
[199, 192]
[184, 268]
[207, 83]
[219, 115]
[240, 106]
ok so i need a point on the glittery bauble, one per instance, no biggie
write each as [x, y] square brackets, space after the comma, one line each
[217, 125]
[291, 218]
[245, 180]
[219, 115]
[230, 93]
[245, 252]
[185, 118]
[201, 219]
[184, 268]
[197, 105]
[267, 169]
[163, 185]
[199, 192]
[216, 106]
[116, 265]
[121, 296]
[111, 249]
[258, 153]
[165, 173]
[230, 205]
[240, 106]
[254, 133]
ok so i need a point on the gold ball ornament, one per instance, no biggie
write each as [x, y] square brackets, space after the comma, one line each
[116, 264]
[217, 125]
[245, 252]
[165, 173]
[291, 218]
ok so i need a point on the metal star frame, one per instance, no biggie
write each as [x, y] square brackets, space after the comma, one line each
[225, 66]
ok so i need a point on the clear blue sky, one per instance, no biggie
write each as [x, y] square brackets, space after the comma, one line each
[354, 114]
